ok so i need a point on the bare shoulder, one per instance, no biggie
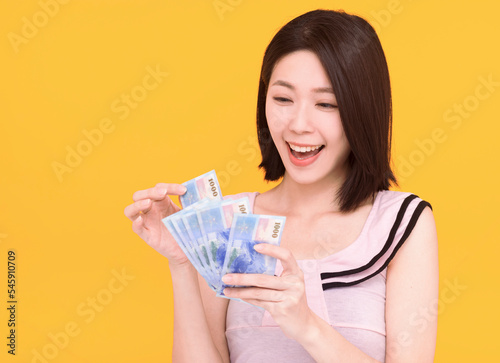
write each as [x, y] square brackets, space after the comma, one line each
[421, 242]
[412, 288]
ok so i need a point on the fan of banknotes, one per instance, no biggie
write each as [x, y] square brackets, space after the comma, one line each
[218, 235]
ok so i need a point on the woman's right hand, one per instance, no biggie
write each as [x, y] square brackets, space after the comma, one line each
[149, 208]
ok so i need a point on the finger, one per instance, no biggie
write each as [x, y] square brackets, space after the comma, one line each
[254, 293]
[266, 305]
[258, 280]
[134, 210]
[159, 191]
[139, 228]
[289, 262]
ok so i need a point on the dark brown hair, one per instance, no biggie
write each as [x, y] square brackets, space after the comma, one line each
[350, 51]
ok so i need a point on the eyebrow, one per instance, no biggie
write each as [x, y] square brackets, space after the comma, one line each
[290, 86]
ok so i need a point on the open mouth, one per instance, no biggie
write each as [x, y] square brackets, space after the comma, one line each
[305, 152]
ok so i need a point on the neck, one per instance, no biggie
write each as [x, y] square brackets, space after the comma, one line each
[309, 199]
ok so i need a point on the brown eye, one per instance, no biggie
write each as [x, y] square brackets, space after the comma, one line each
[282, 99]
[327, 105]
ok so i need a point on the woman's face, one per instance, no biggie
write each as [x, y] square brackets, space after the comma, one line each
[304, 120]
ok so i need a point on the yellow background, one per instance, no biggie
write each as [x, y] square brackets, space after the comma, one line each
[70, 233]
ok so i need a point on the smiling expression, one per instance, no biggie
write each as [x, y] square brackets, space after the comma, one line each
[304, 120]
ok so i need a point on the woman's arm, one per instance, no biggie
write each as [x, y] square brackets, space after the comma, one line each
[215, 312]
[412, 281]
[412, 292]
[285, 299]
[199, 319]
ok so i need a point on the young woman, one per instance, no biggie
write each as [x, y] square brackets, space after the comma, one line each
[357, 268]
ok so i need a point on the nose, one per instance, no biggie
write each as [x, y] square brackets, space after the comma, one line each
[300, 121]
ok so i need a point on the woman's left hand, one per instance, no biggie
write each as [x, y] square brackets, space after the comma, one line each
[283, 296]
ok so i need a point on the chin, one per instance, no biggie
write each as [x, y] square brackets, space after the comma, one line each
[306, 177]
[303, 180]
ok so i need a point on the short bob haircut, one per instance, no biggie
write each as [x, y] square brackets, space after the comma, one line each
[350, 51]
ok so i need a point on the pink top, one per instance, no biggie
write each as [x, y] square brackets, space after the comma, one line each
[346, 289]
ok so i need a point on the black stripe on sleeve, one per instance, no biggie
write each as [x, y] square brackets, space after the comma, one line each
[409, 228]
[388, 243]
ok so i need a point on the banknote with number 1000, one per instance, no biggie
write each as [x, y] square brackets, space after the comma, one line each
[215, 221]
[205, 186]
[218, 235]
[202, 232]
[248, 230]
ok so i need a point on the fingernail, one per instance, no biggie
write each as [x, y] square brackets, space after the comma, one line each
[183, 189]
[226, 292]
[258, 247]
[145, 202]
[227, 279]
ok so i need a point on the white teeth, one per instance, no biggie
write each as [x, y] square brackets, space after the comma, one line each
[304, 149]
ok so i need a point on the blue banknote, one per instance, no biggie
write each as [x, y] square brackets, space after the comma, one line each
[188, 250]
[246, 231]
[176, 225]
[194, 253]
[197, 239]
[201, 187]
[215, 221]
[218, 235]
